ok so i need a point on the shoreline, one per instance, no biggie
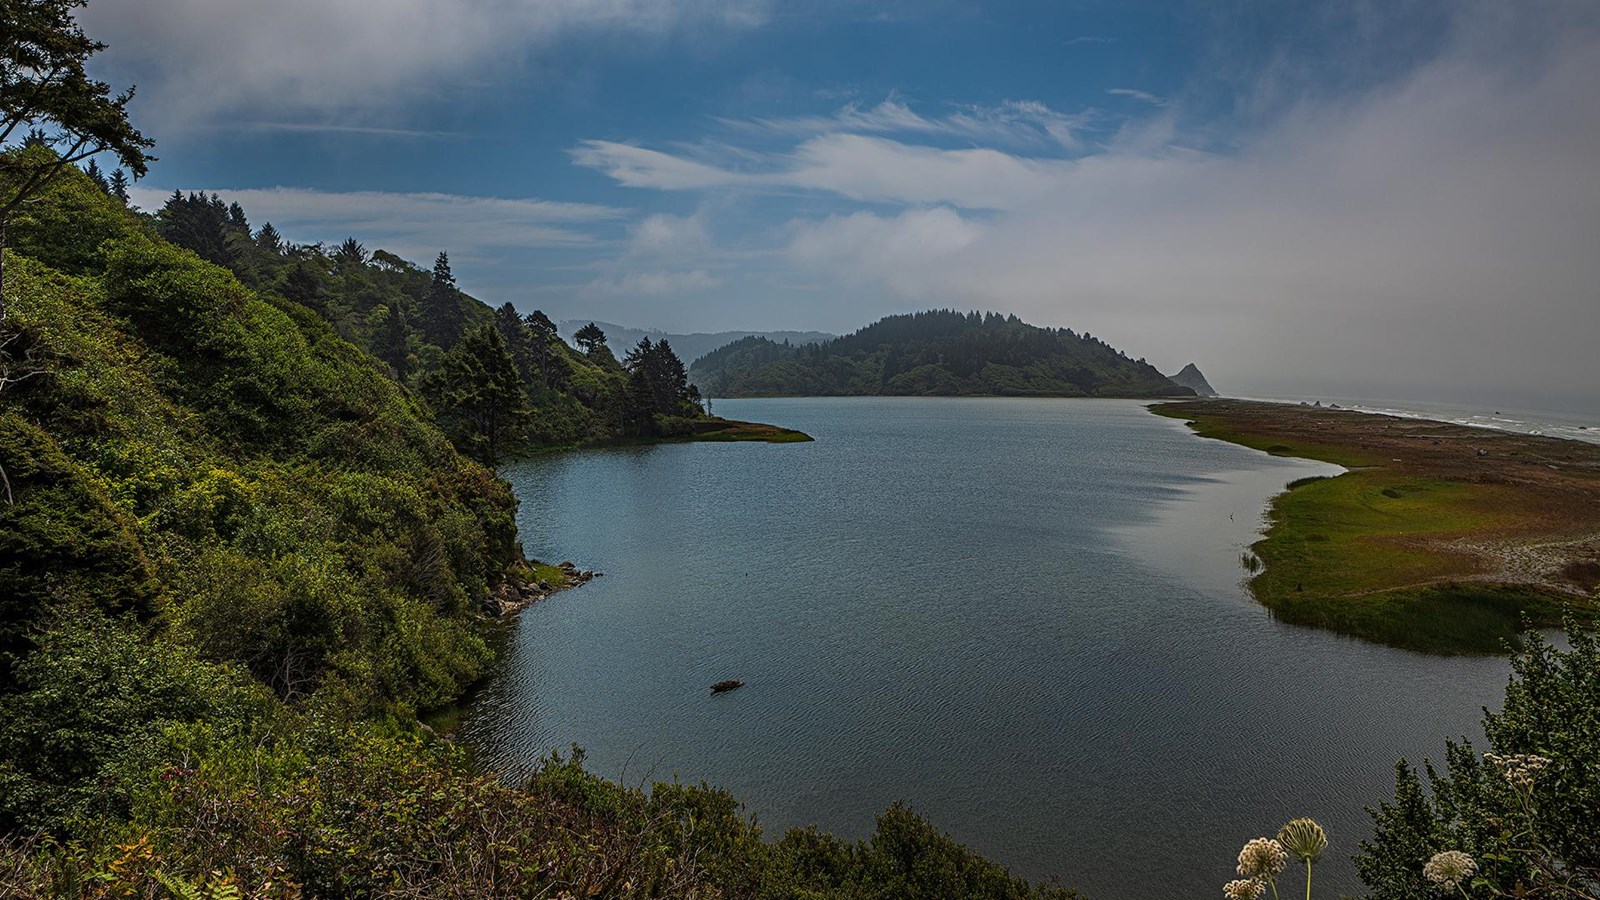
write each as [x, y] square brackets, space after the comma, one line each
[1441, 538]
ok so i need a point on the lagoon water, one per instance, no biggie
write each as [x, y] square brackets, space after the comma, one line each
[1025, 618]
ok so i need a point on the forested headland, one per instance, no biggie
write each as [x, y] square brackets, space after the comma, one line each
[934, 353]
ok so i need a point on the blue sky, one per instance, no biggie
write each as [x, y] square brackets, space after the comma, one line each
[1301, 197]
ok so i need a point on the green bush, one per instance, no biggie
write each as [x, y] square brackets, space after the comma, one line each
[1527, 811]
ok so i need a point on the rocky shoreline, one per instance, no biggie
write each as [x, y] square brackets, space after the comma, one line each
[521, 590]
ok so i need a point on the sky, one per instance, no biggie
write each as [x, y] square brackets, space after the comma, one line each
[1369, 198]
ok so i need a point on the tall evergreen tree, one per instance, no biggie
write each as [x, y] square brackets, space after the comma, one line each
[479, 396]
[442, 318]
[351, 255]
[542, 339]
[590, 338]
[305, 283]
[391, 340]
[95, 175]
[118, 186]
[269, 240]
[514, 332]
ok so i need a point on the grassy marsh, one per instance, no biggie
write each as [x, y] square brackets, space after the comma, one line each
[1441, 538]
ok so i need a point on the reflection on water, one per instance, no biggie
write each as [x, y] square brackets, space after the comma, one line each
[1023, 617]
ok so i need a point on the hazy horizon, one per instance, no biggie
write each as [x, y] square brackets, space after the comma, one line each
[1354, 199]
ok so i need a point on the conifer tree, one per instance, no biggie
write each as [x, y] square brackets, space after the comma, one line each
[479, 396]
[514, 333]
[391, 340]
[590, 338]
[441, 309]
[351, 255]
[542, 338]
[93, 171]
[118, 186]
[269, 240]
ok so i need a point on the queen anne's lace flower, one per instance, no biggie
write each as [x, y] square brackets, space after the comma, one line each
[1243, 889]
[1304, 838]
[1262, 858]
[1450, 868]
[1521, 769]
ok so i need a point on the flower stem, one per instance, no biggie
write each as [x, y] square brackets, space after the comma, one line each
[1308, 879]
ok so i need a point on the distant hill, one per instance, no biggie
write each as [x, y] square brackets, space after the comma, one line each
[936, 353]
[1189, 376]
[689, 347]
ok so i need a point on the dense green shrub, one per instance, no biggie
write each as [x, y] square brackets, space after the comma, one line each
[1528, 810]
[86, 716]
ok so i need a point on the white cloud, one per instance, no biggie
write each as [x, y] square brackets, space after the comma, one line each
[850, 165]
[1135, 94]
[1435, 231]
[897, 250]
[196, 58]
[415, 226]
[641, 167]
[1011, 123]
[663, 235]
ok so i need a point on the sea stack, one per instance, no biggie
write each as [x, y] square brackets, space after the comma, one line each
[1189, 376]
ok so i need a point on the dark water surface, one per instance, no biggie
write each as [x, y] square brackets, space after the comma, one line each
[1023, 617]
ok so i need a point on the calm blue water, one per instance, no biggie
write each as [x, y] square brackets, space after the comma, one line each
[1023, 617]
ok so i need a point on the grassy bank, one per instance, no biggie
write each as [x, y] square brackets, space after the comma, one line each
[714, 430]
[1441, 538]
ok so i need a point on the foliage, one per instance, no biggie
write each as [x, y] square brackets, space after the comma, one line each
[228, 463]
[939, 352]
[357, 813]
[87, 712]
[479, 395]
[43, 85]
[1527, 811]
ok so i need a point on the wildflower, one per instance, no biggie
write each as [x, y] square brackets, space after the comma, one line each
[1304, 838]
[1450, 868]
[1243, 889]
[1520, 769]
[1262, 858]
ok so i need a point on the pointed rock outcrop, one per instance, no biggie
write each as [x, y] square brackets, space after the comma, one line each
[1191, 378]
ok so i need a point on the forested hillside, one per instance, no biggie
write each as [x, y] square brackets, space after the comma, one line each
[499, 380]
[940, 352]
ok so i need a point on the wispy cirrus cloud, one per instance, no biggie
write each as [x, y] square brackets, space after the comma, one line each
[858, 167]
[1011, 123]
[1135, 94]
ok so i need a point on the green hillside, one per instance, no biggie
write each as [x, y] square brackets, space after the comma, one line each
[497, 381]
[935, 353]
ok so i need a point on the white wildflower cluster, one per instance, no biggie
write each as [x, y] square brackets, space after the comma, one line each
[1450, 868]
[1262, 858]
[1244, 889]
[1521, 769]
